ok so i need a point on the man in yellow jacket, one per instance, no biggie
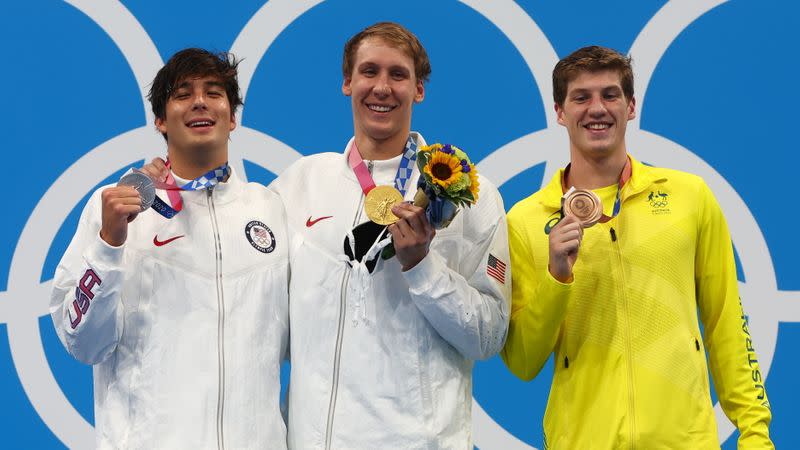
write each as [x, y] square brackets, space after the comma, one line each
[615, 293]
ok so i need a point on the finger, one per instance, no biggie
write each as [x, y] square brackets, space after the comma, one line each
[156, 169]
[405, 229]
[127, 210]
[397, 235]
[125, 197]
[404, 209]
[118, 192]
[571, 235]
[160, 165]
[567, 221]
[416, 220]
[152, 172]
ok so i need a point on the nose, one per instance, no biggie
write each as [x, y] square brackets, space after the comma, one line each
[596, 106]
[382, 86]
[199, 101]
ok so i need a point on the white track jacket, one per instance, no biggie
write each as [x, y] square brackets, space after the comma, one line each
[186, 323]
[384, 360]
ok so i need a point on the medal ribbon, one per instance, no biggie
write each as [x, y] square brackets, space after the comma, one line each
[623, 178]
[403, 171]
[207, 180]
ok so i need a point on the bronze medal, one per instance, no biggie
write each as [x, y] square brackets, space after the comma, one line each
[379, 202]
[585, 205]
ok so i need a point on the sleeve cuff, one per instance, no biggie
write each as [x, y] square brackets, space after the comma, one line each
[425, 273]
[106, 254]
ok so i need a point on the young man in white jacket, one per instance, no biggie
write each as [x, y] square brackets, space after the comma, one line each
[183, 312]
[382, 355]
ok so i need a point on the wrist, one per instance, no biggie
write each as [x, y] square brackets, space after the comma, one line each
[110, 240]
[564, 277]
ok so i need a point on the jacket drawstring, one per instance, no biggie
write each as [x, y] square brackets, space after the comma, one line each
[360, 277]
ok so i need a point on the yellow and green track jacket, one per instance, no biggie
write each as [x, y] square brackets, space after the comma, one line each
[630, 360]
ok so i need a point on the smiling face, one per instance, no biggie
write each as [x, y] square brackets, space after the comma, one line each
[596, 113]
[383, 88]
[198, 118]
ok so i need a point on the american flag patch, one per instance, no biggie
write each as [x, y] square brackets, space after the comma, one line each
[496, 269]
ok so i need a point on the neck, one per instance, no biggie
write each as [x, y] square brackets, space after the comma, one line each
[595, 172]
[379, 150]
[196, 163]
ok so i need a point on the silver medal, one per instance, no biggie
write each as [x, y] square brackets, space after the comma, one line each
[143, 184]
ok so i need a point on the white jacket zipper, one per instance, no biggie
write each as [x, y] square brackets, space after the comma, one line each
[220, 321]
[339, 334]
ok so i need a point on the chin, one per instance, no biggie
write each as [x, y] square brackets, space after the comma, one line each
[380, 134]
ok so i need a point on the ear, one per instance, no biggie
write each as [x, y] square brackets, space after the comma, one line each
[161, 125]
[559, 114]
[632, 108]
[233, 122]
[420, 95]
[346, 89]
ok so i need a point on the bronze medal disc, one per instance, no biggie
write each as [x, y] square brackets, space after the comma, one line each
[379, 202]
[583, 204]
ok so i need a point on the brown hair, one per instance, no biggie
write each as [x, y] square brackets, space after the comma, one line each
[591, 59]
[194, 62]
[396, 36]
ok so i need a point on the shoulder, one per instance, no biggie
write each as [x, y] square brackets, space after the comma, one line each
[674, 176]
[300, 172]
[527, 211]
[259, 191]
[317, 161]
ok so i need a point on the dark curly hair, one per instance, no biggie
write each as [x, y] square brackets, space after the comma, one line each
[189, 63]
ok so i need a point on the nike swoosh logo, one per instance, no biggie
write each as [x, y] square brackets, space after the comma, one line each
[164, 242]
[310, 223]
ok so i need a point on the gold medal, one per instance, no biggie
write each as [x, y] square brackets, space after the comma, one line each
[585, 205]
[379, 202]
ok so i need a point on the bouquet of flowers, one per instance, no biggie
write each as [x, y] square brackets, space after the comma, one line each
[448, 180]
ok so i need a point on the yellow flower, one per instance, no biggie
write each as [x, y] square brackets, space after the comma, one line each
[443, 169]
[473, 181]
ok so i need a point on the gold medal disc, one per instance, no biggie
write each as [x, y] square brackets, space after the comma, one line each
[584, 205]
[379, 202]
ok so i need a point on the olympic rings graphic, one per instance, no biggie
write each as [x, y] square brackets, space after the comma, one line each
[26, 298]
[659, 204]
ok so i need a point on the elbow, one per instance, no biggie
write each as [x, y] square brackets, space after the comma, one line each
[491, 343]
[519, 366]
[90, 357]
[88, 353]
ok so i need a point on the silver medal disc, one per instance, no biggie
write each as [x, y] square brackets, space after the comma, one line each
[143, 184]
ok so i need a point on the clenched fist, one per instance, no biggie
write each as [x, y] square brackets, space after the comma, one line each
[565, 242]
[121, 204]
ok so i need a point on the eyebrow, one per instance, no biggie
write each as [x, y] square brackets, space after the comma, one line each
[206, 84]
[602, 89]
[391, 67]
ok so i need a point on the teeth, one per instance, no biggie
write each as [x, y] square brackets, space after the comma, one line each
[203, 123]
[597, 126]
[380, 108]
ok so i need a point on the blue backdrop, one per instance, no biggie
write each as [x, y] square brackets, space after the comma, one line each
[716, 91]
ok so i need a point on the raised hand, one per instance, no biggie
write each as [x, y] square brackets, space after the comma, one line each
[121, 204]
[565, 242]
[412, 234]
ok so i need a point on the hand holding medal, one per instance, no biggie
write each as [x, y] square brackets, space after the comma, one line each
[447, 182]
[143, 185]
[379, 202]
